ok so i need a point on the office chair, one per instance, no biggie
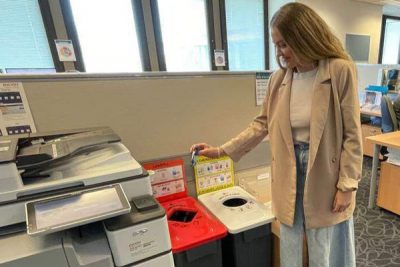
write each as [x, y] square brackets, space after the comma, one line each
[389, 120]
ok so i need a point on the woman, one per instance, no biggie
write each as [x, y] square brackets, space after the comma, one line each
[311, 114]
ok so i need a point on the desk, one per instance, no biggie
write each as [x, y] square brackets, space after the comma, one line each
[369, 130]
[389, 140]
[371, 113]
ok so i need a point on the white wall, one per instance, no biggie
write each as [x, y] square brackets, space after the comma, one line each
[348, 16]
[391, 10]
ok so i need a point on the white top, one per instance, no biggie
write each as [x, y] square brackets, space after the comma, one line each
[300, 105]
[241, 218]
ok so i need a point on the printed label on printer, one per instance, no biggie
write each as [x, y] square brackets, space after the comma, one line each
[142, 246]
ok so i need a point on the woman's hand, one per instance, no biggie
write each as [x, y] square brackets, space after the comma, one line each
[207, 150]
[342, 201]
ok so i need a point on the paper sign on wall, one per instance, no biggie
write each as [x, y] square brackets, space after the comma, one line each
[15, 114]
[65, 50]
[213, 174]
[261, 86]
[219, 57]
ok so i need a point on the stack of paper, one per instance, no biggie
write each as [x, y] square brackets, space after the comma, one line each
[394, 156]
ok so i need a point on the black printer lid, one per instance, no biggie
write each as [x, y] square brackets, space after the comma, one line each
[143, 208]
[31, 151]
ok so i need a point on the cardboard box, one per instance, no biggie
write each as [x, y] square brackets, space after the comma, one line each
[257, 182]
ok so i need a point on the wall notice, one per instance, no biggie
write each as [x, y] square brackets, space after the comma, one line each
[261, 86]
[15, 114]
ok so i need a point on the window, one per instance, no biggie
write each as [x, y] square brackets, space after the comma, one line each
[245, 33]
[23, 39]
[389, 52]
[107, 34]
[184, 35]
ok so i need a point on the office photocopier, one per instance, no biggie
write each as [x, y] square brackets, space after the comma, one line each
[48, 165]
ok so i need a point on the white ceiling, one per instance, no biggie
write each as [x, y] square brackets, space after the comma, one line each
[391, 10]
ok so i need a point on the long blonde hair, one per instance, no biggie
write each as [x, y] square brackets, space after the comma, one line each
[307, 34]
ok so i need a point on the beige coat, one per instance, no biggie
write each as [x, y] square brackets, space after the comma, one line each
[335, 153]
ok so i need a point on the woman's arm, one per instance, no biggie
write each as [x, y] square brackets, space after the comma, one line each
[351, 154]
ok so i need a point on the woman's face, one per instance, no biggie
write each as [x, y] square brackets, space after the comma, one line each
[282, 50]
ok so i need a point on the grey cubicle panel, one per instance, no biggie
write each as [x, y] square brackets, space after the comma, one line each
[157, 115]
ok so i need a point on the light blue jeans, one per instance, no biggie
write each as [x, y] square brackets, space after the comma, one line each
[328, 246]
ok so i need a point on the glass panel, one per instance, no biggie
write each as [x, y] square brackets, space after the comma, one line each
[245, 33]
[185, 35]
[391, 44]
[23, 39]
[107, 35]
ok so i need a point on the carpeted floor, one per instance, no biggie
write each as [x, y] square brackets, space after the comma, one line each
[377, 231]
